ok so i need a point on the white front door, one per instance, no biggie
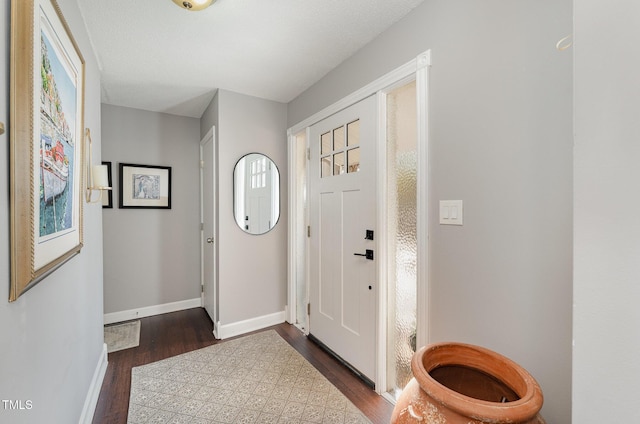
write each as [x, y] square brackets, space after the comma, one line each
[208, 202]
[342, 184]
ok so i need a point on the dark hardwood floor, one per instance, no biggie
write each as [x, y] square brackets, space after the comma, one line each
[164, 336]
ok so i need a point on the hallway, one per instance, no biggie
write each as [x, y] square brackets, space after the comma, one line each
[167, 335]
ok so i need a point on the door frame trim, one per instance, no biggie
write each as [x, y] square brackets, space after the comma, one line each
[294, 226]
[417, 68]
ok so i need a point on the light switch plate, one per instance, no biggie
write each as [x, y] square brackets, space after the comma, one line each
[451, 212]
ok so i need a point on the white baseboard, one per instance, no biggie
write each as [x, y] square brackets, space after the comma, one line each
[148, 311]
[91, 400]
[224, 331]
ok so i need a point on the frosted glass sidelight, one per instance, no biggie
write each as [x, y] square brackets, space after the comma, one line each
[402, 236]
[302, 296]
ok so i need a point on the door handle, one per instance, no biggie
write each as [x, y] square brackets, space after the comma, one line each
[368, 254]
[209, 240]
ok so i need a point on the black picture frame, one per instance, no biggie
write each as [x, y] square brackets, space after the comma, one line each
[144, 186]
[107, 195]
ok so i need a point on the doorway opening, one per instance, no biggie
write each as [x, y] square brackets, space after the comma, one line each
[401, 317]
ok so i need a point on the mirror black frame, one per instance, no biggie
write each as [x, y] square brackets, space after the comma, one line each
[275, 172]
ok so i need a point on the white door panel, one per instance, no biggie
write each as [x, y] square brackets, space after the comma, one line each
[208, 226]
[342, 179]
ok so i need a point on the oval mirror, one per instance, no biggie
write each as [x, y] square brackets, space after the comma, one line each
[256, 193]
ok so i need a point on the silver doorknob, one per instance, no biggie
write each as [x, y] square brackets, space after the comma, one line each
[210, 240]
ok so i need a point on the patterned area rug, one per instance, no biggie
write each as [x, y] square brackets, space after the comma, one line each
[122, 336]
[254, 379]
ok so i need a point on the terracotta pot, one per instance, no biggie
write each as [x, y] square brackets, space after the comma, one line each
[466, 384]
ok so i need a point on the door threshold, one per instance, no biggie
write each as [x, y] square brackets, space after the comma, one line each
[366, 380]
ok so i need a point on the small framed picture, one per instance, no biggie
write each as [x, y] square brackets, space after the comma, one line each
[144, 186]
[107, 195]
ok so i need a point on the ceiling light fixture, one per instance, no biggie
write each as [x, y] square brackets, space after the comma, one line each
[194, 5]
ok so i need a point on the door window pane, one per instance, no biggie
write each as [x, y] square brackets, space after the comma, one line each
[338, 163]
[334, 159]
[353, 160]
[353, 133]
[325, 143]
[325, 166]
[338, 138]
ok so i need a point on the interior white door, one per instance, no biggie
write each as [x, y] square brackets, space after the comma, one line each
[208, 202]
[342, 195]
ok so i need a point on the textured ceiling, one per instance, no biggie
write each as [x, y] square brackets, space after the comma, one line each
[158, 57]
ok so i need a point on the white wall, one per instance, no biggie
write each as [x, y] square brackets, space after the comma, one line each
[501, 140]
[152, 256]
[52, 335]
[252, 272]
[209, 117]
[606, 207]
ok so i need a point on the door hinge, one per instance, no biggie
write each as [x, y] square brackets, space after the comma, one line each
[202, 288]
[202, 226]
[308, 153]
[309, 309]
[201, 164]
[308, 230]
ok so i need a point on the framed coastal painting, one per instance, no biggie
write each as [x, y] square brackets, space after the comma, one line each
[46, 143]
[144, 186]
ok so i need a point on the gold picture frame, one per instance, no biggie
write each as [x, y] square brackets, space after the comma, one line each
[46, 143]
